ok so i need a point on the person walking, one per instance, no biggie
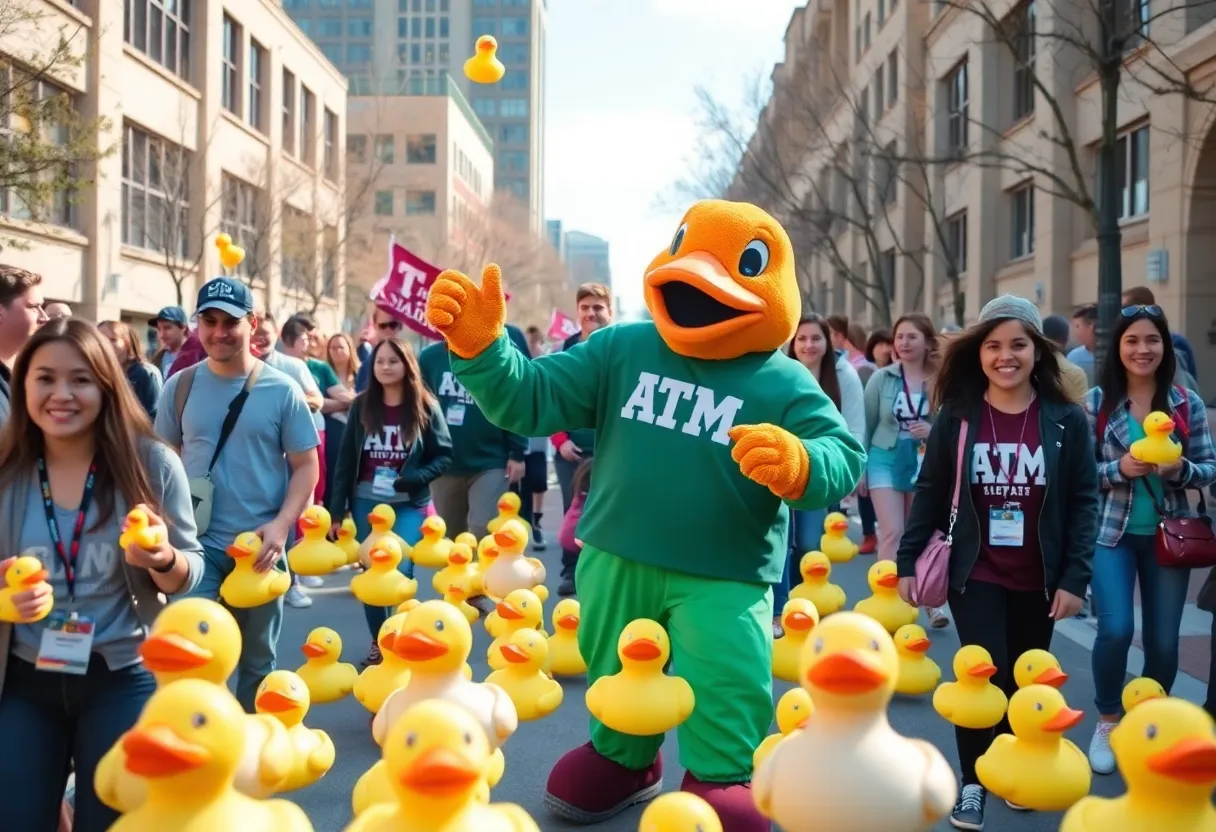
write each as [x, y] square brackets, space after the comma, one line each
[21, 312]
[144, 378]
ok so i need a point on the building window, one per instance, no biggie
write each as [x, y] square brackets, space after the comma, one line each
[484, 26]
[359, 27]
[956, 241]
[893, 78]
[296, 249]
[161, 30]
[257, 69]
[329, 27]
[880, 93]
[384, 148]
[514, 81]
[329, 262]
[513, 53]
[240, 217]
[956, 107]
[356, 148]
[384, 203]
[513, 108]
[231, 84]
[420, 149]
[882, 12]
[513, 133]
[155, 193]
[888, 175]
[1022, 39]
[517, 188]
[1131, 160]
[332, 52]
[419, 203]
[1134, 17]
[1022, 203]
[40, 113]
[886, 271]
[359, 53]
[485, 107]
[331, 145]
[289, 112]
[865, 32]
[445, 27]
[515, 161]
[515, 26]
[308, 150]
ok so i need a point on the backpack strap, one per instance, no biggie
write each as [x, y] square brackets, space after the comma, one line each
[182, 392]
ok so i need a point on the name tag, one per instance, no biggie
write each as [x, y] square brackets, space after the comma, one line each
[455, 414]
[920, 460]
[382, 482]
[1006, 526]
[67, 643]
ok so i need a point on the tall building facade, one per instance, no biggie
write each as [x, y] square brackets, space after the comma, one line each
[407, 44]
[587, 258]
[553, 230]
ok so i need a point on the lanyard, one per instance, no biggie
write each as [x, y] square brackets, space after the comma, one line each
[996, 440]
[67, 557]
[903, 379]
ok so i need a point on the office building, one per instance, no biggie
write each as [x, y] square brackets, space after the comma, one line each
[553, 229]
[587, 259]
[219, 117]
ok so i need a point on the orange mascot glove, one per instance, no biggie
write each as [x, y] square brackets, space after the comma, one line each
[469, 318]
[773, 457]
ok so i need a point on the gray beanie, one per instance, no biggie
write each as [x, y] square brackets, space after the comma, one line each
[1012, 307]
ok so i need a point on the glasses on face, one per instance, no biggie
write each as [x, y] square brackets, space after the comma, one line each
[1152, 310]
[389, 326]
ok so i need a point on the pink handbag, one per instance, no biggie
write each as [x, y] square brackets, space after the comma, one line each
[933, 565]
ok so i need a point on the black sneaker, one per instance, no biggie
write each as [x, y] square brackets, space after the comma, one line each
[566, 587]
[969, 810]
[483, 604]
[373, 656]
[538, 538]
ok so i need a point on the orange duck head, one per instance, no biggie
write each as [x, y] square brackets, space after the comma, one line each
[725, 286]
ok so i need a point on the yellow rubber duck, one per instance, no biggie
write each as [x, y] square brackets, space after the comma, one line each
[1158, 446]
[383, 585]
[455, 595]
[884, 605]
[137, 530]
[284, 696]
[535, 694]
[972, 701]
[1037, 768]
[565, 658]
[816, 569]
[848, 768]
[679, 812]
[347, 541]
[484, 67]
[187, 745]
[641, 700]
[798, 619]
[510, 569]
[520, 610]
[432, 551]
[487, 553]
[381, 518]
[460, 571]
[509, 506]
[328, 678]
[1167, 756]
[406, 606]
[231, 255]
[436, 760]
[918, 674]
[378, 681]
[314, 554]
[794, 708]
[244, 588]
[24, 574]
[1038, 667]
[1141, 689]
[835, 541]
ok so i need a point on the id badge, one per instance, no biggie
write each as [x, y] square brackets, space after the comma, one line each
[455, 414]
[67, 643]
[920, 460]
[382, 483]
[1006, 526]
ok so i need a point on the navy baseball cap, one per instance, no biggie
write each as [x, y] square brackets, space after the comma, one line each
[171, 315]
[227, 295]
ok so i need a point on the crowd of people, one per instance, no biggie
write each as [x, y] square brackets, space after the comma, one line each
[237, 422]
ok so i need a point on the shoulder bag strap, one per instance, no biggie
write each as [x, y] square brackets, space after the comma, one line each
[958, 477]
[182, 391]
[234, 412]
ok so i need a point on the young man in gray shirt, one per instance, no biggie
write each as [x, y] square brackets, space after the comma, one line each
[265, 472]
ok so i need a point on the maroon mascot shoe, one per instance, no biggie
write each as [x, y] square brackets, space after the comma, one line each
[586, 787]
[733, 803]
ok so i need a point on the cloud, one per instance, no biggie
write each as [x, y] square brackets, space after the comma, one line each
[766, 15]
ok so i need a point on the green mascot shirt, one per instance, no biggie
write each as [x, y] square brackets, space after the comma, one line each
[673, 496]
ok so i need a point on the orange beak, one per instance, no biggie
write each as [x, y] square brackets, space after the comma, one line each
[456, 591]
[1064, 719]
[439, 771]
[843, 673]
[238, 552]
[704, 272]
[380, 556]
[313, 651]
[1190, 760]
[1052, 676]
[568, 622]
[642, 650]
[372, 519]
[276, 703]
[888, 581]
[982, 671]
[308, 523]
[458, 558]
[513, 654]
[418, 647]
[799, 622]
[157, 751]
[503, 505]
[919, 645]
[840, 526]
[35, 578]
[508, 611]
[802, 724]
[503, 539]
[170, 653]
[819, 570]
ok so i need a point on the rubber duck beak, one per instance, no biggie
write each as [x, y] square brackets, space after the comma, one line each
[568, 622]
[373, 519]
[918, 645]
[889, 581]
[35, 578]
[845, 673]
[171, 653]
[802, 724]
[238, 552]
[1052, 676]
[840, 526]
[503, 505]
[456, 591]
[458, 559]
[274, 702]
[1190, 760]
[799, 622]
[418, 647]
[819, 570]
[508, 611]
[308, 522]
[157, 751]
[1064, 719]
[503, 538]
[985, 670]
[380, 556]
[439, 770]
[313, 650]
[642, 650]
[387, 641]
[513, 654]
[697, 292]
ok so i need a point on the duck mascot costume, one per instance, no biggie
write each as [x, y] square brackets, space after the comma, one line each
[707, 435]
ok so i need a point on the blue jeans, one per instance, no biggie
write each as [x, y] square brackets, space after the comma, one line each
[806, 527]
[260, 626]
[408, 527]
[50, 719]
[1162, 597]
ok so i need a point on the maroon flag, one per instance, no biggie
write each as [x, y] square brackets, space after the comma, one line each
[403, 291]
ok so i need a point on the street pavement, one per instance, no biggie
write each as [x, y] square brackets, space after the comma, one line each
[537, 745]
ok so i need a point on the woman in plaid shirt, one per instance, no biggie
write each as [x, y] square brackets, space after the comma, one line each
[1137, 379]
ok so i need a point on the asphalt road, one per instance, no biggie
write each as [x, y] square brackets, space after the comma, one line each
[537, 745]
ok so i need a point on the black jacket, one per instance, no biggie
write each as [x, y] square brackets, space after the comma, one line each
[429, 457]
[146, 383]
[1068, 520]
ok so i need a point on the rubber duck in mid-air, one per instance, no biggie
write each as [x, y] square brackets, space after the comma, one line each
[484, 67]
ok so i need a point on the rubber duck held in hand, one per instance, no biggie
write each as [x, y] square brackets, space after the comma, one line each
[245, 587]
[22, 575]
[1158, 446]
[696, 407]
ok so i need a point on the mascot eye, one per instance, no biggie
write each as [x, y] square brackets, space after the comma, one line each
[677, 240]
[754, 259]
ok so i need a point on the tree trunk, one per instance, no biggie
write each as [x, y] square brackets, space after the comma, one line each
[1110, 240]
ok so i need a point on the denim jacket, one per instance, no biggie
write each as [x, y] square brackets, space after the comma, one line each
[882, 431]
[1198, 464]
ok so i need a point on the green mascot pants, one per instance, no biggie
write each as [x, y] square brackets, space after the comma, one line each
[722, 644]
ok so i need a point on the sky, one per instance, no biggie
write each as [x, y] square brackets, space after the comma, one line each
[620, 109]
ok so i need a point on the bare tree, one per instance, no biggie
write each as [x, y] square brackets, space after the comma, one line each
[46, 146]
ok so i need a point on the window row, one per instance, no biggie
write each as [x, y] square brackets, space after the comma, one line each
[417, 203]
[500, 107]
[501, 26]
[428, 53]
[423, 27]
[420, 148]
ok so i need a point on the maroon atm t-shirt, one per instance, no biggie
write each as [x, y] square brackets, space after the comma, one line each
[1004, 476]
[384, 449]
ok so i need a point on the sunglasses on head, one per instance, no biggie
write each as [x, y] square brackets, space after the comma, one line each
[393, 325]
[1152, 310]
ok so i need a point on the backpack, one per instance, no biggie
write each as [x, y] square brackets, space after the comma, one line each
[182, 391]
[1184, 426]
